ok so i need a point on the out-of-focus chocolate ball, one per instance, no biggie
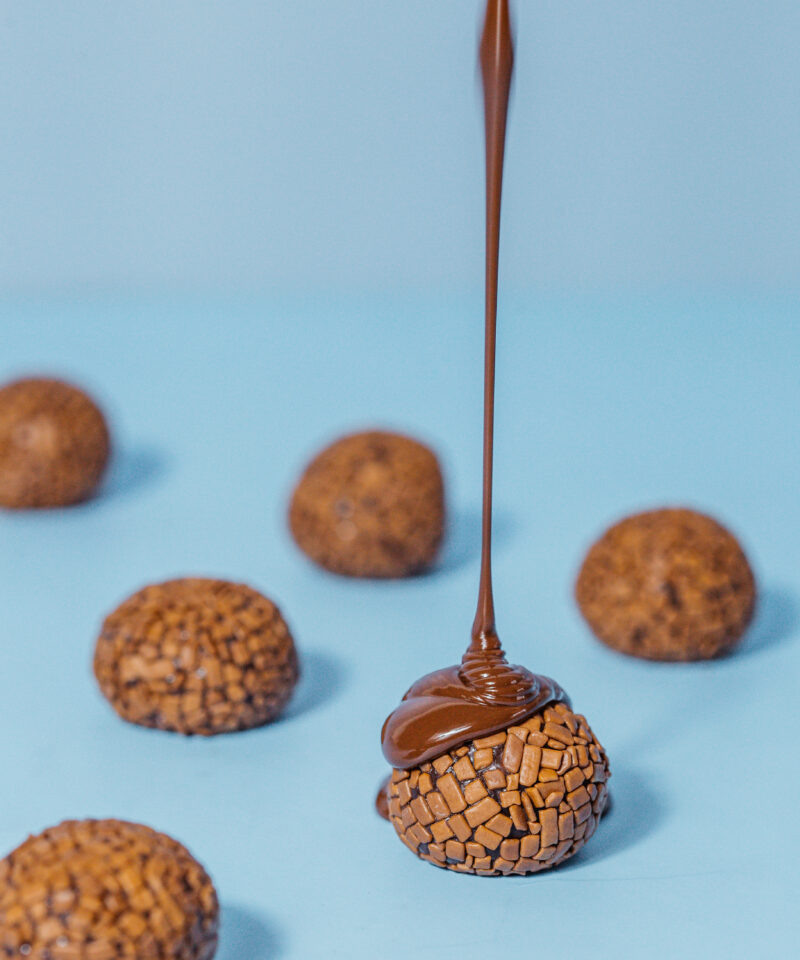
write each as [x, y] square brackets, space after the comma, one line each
[667, 584]
[54, 444]
[370, 505]
[105, 890]
[197, 656]
[516, 802]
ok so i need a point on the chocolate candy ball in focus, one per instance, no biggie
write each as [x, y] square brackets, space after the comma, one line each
[668, 584]
[54, 444]
[197, 656]
[370, 505]
[511, 803]
[105, 890]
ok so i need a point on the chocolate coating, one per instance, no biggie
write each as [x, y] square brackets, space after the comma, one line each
[197, 657]
[370, 505]
[667, 584]
[382, 799]
[448, 707]
[517, 802]
[54, 444]
[105, 890]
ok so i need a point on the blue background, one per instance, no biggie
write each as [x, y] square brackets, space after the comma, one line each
[187, 230]
[602, 408]
[258, 144]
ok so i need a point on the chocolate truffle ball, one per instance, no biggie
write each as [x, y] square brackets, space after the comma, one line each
[54, 444]
[517, 802]
[197, 657]
[370, 505]
[667, 585]
[105, 890]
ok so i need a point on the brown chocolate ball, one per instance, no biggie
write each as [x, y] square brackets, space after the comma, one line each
[197, 657]
[517, 802]
[370, 505]
[667, 585]
[105, 890]
[54, 444]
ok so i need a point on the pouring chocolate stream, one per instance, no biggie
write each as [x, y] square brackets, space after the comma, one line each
[485, 693]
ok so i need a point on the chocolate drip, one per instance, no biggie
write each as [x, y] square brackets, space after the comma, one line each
[494, 679]
[497, 64]
[485, 694]
[382, 799]
[442, 711]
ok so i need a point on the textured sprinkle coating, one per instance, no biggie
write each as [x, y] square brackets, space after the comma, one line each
[197, 656]
[370, 505]
[105, 890]
[517, 802]
[668, 584]
[54, 444]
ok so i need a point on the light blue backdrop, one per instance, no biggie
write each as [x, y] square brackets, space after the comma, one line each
[318, 143]
[248, 226]
[602, 408]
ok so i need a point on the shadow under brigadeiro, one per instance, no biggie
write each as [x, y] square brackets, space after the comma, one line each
[777, 619]
[635, 811]
[131, 470]
[244, 936]
[322, 678]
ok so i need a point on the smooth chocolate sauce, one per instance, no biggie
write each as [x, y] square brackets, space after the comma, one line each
[485, 693]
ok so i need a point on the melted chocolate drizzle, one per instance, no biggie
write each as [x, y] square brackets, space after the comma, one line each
[485, 694]
[442, 711]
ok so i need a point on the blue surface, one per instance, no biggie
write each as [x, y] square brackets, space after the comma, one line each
[602, 408]
[258, 144]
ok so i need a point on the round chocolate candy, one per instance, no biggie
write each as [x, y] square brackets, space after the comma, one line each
[370, 505]
[513, 803]
[105, 890]
[54, 444]
[667, 584]
[198, 657]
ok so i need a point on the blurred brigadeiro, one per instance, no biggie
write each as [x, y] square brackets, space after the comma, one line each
[54, 444]
[103, 890]
[370, 505]
[668, 584]
[197, 656]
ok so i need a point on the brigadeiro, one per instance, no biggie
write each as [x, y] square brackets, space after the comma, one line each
[54, 444]
[668, 584]
[370, 505]
[509, 801]
[197, 656]
[105, 890]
